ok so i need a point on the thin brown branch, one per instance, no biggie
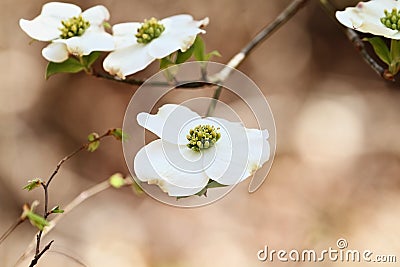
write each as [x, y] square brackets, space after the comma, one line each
[265, 32]
[45, 185]
[38, 256]
[83, 196]
[213, 104]
[358, 44]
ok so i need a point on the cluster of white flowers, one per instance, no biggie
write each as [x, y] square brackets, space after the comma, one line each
[133, 45]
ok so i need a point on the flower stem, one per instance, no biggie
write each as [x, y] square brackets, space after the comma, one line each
[394, 66]
[214, 101]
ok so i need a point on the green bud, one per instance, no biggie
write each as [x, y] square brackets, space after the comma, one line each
[150, 30]
[75, 26]
[202, 137]
[391, 19]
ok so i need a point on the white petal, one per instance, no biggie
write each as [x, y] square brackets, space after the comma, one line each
[169, 123]
[259, 151]
[231, 153]
[365, 17]
[128, 28]
[96, 15]
[55, 52]
[180, 33]
[41, 28]
[167, 44]
[124, 34]
[179, 20]
[88, 42]
[240, 155]
[182, 18]
[60, 11]
[152, 166]
[127, 61]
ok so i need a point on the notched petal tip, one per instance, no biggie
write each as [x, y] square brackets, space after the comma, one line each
[204, 22]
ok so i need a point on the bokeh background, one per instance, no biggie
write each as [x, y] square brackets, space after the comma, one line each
[336, 173]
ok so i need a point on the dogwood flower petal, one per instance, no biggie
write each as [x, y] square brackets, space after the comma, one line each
[87, 43]
[152, 166]
[365, 17]
[131, 59]
[45, 27]
[240, 157]
[169, 122]
[180, 33]
[123, 34]
[40, 28]
[60, 10]
[55, 52]
[96, 15]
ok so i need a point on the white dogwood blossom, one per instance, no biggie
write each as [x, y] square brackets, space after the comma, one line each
[139, 44]
[378, 17]
[192, 150]
[69, 30]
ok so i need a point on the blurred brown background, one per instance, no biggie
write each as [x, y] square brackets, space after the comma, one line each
[336, 172]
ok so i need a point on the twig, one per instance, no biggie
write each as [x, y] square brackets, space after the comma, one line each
[37, 257]
[45, 185]
[177, 84]
[353, 37]
[267, 31]
[214, 101]
[11, 229]
[237, 59]
[94, 190]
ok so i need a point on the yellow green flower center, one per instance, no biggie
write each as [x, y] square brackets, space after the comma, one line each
[202, 137]
[150, 30]
[391, 19]
[75, 26]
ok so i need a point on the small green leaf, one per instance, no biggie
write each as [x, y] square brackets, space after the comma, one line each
[182, 57]
[71, 65]
[37, 220]
[119, 134]
[203, 192]
[32, 184]
[56, 209]
[199, 49]
[117, 180]
[94, 143]
[212, 54]
[106, 25]
[165, 63]
[214, 184]
[380, 48]
[90, 59]
[136, 188]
